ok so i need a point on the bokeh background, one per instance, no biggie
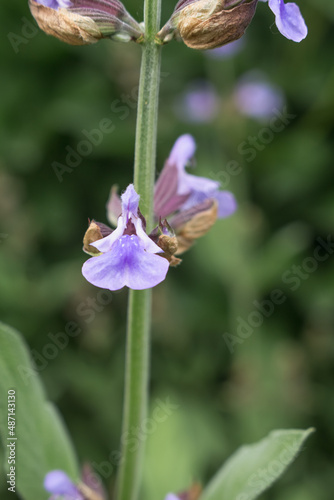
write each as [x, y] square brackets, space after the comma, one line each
[230, 389]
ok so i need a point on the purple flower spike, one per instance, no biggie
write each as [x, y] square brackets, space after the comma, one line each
[128, 254]
[58, 483]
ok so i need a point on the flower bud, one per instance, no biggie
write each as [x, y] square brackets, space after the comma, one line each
[82, 22]
[207, 24]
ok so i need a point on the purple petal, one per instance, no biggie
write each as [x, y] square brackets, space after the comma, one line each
[55, 4]
[58, 483]
[227, 204]
[171, 496]
[196, 185]
[183, 151]
[289, 20]
[130, 202]
[145, 241]
[126, 264]
[166, 199]
[105, 244]
[114, 206]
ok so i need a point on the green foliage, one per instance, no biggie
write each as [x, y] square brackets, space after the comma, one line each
[41, 443]
[253, 468]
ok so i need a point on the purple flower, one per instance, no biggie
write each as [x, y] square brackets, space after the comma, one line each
[256, 97]
[192, 205]
[199, 104]
[171, 496]
[176, 190]
[289, 19]
[128, 254]
[58, 483]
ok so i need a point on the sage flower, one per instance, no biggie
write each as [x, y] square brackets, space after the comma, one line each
[128, 255]
[191, 203]
[177, 191]
[81, 22]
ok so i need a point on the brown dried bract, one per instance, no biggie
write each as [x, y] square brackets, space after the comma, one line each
[201, 28]
[196, 227]
[96, 231]
[67, 26]
[169, 245]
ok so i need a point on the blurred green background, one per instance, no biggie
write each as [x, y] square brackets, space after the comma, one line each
[281, 375]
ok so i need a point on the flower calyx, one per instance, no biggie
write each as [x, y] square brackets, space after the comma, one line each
[208, 24]
[82, 22]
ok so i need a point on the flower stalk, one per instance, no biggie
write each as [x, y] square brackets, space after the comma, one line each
[139, 306]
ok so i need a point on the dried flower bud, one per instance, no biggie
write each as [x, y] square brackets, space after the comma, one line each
[81, 22]
[164, 236]
[194, 223]
[96, 231]
[207, 24]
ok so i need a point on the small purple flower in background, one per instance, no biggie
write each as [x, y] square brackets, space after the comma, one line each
[288, 19]
[257, 98]
[58, 483]
[128, 254]
[171, 496]
[226, 51]
[199, 104]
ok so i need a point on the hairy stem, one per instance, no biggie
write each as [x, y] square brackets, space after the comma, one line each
[139, 308]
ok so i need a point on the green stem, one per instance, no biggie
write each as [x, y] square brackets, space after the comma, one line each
[139, 308]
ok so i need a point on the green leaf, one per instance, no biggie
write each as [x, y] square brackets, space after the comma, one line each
[42, 442]
[253, 468]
